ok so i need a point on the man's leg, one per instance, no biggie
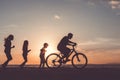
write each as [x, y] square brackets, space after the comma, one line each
[67, 54]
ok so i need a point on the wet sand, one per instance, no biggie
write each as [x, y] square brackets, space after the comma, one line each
[34, 73]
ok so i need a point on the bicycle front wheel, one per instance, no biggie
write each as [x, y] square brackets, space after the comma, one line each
[79, 60]
[53, 61]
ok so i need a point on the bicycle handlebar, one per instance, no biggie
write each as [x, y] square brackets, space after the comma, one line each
[74, 45]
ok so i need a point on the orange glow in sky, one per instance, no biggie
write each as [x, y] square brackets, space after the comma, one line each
[95, 25]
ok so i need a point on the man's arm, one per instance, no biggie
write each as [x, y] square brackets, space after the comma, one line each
[71, 43]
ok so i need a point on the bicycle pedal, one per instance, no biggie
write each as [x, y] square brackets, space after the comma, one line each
[60, 61]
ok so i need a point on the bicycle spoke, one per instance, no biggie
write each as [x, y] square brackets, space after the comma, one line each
[79, 60]
[52, 61]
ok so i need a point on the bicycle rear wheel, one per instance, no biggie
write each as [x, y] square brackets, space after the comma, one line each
[53, 61]
[79, 60]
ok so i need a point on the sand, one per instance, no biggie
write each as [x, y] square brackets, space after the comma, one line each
[34, 73]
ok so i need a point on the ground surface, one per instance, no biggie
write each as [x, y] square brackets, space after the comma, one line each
[34, 73]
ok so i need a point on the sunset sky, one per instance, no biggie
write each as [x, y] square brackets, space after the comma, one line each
[94, 23]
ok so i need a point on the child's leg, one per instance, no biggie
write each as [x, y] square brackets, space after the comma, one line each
[41, 62]
[44, 62]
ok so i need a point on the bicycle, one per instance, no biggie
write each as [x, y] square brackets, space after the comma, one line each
[79, 60]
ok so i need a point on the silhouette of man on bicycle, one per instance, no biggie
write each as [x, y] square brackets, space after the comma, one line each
[62, 46]
[78, 59]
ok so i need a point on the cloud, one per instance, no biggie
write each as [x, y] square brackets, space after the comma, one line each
[4, 29]
[97, 41]
[107, 46]
[89, 43]
[72, 0]
[8, 27]
[115, 4]
[101, 45]
[57, 17]
[11, 26]
[104, 39]
[91, 3]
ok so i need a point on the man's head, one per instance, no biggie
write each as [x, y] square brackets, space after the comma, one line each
[70, 35]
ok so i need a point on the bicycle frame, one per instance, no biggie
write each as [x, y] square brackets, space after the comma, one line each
[59, 59]
[72, 50]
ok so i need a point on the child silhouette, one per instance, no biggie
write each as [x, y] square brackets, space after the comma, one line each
[42, 55]
[25, 52]
[8, 48]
